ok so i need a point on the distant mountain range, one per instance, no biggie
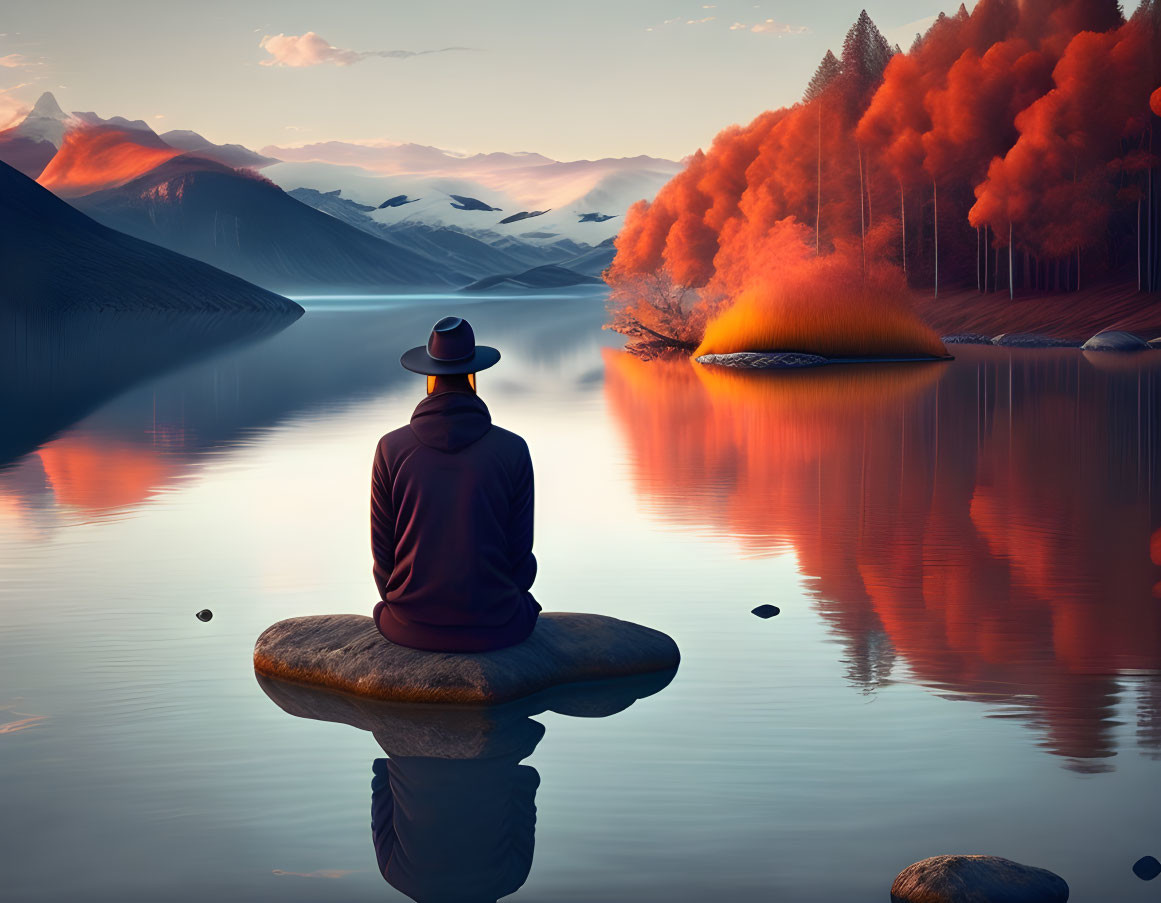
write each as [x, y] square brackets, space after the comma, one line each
[336, 215]
[584, 200]
[548, 276]
[246, 225]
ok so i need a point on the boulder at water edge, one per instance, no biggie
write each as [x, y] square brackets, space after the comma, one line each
[976, 879]
[1031, 340]
[1115, 340]
[347, 653]
[966, 338]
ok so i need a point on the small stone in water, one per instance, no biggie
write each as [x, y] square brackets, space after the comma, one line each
[204, 615]
[766, 611]
[1147, 868]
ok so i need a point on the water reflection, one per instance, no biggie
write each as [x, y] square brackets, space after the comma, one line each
[453, 810]
[55, 369]
[988, 520]
[149, 431]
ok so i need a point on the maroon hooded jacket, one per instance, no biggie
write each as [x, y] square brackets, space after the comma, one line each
[451, 530]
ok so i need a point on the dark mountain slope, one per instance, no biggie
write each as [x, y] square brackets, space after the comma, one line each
[53, 258]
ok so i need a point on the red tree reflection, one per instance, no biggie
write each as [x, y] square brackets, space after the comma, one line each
[989, 520]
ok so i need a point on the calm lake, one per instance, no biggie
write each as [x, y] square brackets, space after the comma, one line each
[967, 659]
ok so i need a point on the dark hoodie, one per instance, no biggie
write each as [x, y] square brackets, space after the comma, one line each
[451, 530]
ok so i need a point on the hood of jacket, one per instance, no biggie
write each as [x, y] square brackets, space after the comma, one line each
[450, 421]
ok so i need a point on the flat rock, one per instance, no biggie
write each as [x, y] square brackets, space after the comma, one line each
[967, 338]
[977, 879]
[1115, 340]
[348, 654]
[1032, 340]
[763, 360]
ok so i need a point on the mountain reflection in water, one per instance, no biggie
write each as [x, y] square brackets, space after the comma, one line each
[988, 521]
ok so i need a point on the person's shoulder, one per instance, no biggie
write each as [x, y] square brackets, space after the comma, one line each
[512, 443]
[508, 437]
[397, 440]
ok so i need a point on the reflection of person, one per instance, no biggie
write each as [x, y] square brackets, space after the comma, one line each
[451, 511]
[453, 812]
[454, 830]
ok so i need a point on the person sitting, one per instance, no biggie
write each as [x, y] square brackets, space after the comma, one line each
[451, 511]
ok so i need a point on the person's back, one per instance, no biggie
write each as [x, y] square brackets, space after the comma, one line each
[452, 512]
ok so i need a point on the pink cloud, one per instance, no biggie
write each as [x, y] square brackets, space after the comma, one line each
[11, 109]
[312, 49]
[770, 26]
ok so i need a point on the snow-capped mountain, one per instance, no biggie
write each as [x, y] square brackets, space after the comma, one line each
[45, 122]
[384, 213]
[569, 193]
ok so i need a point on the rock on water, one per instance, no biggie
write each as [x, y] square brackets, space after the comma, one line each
[763, 360]
[347, 653]
[1147, 868]
[976, 879]
[1115, 340]
[1031, 340]
[966, 338]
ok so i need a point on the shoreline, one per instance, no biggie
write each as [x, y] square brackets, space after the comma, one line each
[1075, 316]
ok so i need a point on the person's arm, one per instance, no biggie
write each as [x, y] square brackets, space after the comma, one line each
[520, 534]
[382, 523]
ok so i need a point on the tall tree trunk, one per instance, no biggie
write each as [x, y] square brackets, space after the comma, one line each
[935, 230]
[818, 201]
[1149, 255]
[986, 242]
[977, 259]
[1011, 282]
[862, 224]
[996, 269]
[903, 227]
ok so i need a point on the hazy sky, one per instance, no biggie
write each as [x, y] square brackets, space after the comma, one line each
[587, 78]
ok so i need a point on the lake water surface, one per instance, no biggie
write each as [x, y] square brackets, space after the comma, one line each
[967, 659]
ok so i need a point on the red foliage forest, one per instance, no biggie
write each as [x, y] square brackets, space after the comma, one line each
[1011, 148]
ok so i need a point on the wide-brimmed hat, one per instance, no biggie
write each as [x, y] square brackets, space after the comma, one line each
[450, 349]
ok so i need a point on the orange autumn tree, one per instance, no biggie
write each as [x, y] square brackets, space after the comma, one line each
[997, 111]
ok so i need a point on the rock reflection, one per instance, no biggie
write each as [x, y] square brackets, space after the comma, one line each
[987, 520]
[453, 812]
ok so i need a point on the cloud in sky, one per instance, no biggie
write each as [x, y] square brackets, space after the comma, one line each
[15, 61]
[770, 26]
[12, 110]
[682, 20]
[312, 49]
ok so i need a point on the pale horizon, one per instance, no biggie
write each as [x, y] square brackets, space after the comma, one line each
[510, 77]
